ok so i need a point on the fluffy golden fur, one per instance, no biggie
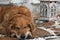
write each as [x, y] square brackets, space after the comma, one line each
[7, 38]
[3, 9]
[20, 17]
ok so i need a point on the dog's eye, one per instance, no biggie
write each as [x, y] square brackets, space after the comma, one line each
[17, 28]
[25, 27]
[12, 27]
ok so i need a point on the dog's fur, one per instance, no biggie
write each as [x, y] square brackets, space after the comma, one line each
[7, 38]
[19, 17]
[20, 25]
[3, 9]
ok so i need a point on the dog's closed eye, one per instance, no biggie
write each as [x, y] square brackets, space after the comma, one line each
[16, 28]
[25, 27]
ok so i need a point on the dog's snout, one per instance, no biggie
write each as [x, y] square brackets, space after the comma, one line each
[29, 37]
[15, 36]
[22, 36]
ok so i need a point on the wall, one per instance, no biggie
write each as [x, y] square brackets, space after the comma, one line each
[4, 1]
[34, 8]
[58, 7]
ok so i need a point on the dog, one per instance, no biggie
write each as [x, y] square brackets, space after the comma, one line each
[20, 27]
[19, 22]
[7, 38]
[3, 9]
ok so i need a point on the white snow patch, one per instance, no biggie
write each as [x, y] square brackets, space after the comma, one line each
[48, 30]
[56, 20]
[50, 37]
[37, 39]
[56, 24]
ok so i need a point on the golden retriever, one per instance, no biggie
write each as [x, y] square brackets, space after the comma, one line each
[3, 9]
[7, 38]
[21, 26]
[19, 22]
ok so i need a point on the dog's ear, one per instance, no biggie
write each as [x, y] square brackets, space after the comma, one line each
[32, 27]
[11, 26]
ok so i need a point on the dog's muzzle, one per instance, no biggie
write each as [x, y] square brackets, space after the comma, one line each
[23, 37]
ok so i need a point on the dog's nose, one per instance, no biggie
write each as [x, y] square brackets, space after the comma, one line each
[15, 36]
[29, 37]
[22, 37]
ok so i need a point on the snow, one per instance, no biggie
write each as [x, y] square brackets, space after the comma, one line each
[50, 37]
[37, 39]
[15, 1]
[35, 1]
[46, 38]
[53, 18]
[56, 24]
[56, 20]
[48, 30]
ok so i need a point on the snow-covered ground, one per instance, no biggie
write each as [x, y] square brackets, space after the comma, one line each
[57, 38]
[37, 39]
[46, 38]
[54, 39]
[48, 30]
[56, 20]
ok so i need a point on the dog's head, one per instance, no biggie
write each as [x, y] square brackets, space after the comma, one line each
[20, 28]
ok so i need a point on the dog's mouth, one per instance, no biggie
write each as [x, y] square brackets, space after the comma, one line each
[13, 35]
[29, 37]
[22, 37]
